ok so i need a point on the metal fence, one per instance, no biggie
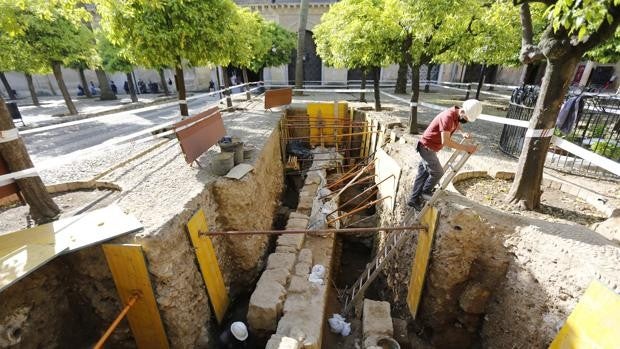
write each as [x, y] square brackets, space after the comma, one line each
[597, 129]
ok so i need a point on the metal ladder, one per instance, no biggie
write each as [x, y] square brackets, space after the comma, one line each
[398, 239]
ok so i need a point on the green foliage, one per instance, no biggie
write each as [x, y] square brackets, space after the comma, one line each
[250, 37]
[41, 32]
[608, 52]
[278, 52]
[111, 56]
[607, 149]
[580, 17]
[598, 130]
[161, 33]
[358, 34]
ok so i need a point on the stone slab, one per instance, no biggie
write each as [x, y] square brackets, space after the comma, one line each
[305, 255]
[292, 240]
[282, 342]
[376, 319]
[302, 269]
[265, 306]
[299, 284]
[281, 260]
[296, 223]
[280, 276]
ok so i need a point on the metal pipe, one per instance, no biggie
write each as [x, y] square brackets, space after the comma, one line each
[364, 179]
[330, 136]
[119, 318]
[372, 192]
[371, 163]
[362, 193]
[357, 210]
[312, 232]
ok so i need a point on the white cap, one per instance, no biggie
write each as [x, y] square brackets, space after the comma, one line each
[472, 109]
[239, 330]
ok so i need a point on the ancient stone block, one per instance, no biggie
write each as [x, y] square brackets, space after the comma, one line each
[266, 306]
[292, 240]
[305, 255]
[302, 269]
[281, 260]
[298, 215]
[285, 249]
[305, 206]
[282, 342]
[280, 276]
[377, 319]
[296, 223]
[474, 298]
[298, 284]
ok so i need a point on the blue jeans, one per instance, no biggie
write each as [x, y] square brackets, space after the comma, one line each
[429, 173]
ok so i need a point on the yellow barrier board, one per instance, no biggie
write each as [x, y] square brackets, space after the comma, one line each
[421, 259]
[131, 277]
[594, 323]
[211, 273]
[323, 119]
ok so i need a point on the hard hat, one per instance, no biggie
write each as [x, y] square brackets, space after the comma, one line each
[239, 330]
[472, 109]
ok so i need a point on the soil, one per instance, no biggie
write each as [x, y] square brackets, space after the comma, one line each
[16, 217]
[555, 205]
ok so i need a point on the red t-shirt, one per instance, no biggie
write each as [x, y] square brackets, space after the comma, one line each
[446, 121]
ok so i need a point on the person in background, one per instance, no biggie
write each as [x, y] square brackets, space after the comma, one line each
[437, 135]
[93, 90]
[113, 87]
[236, 336]
[80, 90]
[211, 86]
[126, 87]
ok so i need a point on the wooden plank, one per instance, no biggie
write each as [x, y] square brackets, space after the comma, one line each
[131, 277]
[323, 113]
[278, 97]
[211, 273]
[421, 259]
[26, 250]
[594, 323]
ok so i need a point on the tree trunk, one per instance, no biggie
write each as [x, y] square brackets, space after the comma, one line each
[33, 92]
[401, 79]
[219, 82]
[376, 74]
[7, 87]
[180, 80]
[63, 88]
[525, 190]
[248, 96]
[483, 70]
[42, 207]
[301, 39]
[415, 96]
[84, 83]
[104, 86]
[429, 69]
[363, 87]
[227, 91]
[162, 81]
[132, 88]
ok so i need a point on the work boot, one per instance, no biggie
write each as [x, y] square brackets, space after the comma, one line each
[427, 195]
[417, 204]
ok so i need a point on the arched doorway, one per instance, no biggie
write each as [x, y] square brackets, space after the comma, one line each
[312, 63]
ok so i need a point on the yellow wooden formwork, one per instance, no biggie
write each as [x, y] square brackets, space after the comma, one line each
[131, 277]
[594, 323]
[421, 259]
[211, 273]
[322, 117]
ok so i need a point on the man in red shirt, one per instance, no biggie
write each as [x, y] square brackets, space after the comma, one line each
[437, 135]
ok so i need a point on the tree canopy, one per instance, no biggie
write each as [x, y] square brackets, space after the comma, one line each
[280, 44]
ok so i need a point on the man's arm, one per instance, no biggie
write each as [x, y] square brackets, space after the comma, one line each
[446, 140]
[465, 135]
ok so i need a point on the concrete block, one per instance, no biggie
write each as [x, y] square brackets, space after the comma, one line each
[292, 240]
[376, 319]
[299, 284]
[282, 342]
[265, 306]
[297, 303]
[474, 298]
[305, 255]
[302, 269]
[280, 276]
[281, 260]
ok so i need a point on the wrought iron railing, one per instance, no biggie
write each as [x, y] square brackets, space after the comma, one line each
[597, 128]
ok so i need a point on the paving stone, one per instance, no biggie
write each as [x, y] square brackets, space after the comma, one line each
[302, 269]
[281, 260]
[266, 304]
[305, 255]
[376, 319]
[292, 240]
